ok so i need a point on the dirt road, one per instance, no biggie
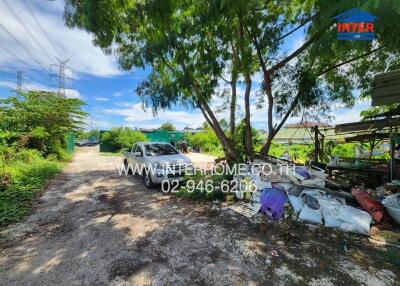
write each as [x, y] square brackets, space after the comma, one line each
[94, 227]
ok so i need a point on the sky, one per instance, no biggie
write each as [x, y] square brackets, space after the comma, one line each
[33, 37]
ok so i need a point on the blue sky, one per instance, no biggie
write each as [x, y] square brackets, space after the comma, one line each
[96, 77]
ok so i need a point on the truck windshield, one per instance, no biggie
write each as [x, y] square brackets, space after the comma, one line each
[160, 149]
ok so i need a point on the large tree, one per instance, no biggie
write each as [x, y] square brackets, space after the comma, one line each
[40, 119]
[167, 126]
[191, 45]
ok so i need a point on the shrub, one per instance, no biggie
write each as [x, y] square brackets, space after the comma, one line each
[123, 138]
[26, 180]
[61, 154]
[27, 155]
[205, 140]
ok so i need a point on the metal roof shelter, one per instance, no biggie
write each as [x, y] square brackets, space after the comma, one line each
[367, 126]
[302, 133]
[386, 88]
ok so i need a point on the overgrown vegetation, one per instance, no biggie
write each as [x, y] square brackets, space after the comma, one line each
[23, 174]
[207, 141]
[123, 137]
[33, 130]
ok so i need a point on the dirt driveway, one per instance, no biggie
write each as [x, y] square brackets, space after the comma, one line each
[94, 227]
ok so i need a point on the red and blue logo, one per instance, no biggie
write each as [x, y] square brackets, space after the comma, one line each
[355, 25]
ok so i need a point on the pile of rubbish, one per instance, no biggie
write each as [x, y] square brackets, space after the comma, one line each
[303, 190]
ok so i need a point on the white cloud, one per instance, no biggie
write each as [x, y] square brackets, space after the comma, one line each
[118, 93]
[69, 92]
[135, 116]
[122, 104]
[25, 85]
[73, 93]
[94, 122]
[72, 44]
[99, 98]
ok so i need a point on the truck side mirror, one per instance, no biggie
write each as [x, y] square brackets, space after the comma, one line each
[138, 154]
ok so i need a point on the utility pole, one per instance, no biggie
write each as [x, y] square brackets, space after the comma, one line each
[19, 81]
[61, 68]
[316, 144]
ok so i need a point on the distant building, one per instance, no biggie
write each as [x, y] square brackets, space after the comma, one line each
[302, 133]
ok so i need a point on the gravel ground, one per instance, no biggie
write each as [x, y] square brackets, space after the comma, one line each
[94, 227]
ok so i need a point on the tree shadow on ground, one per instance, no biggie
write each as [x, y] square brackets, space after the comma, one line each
[99, 228]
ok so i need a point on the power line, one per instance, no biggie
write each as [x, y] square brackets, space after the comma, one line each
[32, 12]
[23, 46]
[19, 59]
[26, 29]
[3, 68]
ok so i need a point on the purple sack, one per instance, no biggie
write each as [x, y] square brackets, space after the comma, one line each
[304, 173]
[272, 201]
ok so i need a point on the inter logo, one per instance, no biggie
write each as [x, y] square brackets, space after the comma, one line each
[355, 24]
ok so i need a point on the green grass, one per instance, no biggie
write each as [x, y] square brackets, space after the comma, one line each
[27, 181]
[391, 255]
[196, 188]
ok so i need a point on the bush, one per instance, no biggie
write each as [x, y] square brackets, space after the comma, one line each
[27, 155]
[123, 138]
[61, 154]
[26, 180]
[206, 141]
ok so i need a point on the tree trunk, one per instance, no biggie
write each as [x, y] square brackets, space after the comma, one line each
[230, 152]
[233, 90]
[245, 64]
[265, 148]
[272, 131]
[232, 109]
[249, 137]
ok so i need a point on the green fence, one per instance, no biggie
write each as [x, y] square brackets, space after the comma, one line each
[70, 142]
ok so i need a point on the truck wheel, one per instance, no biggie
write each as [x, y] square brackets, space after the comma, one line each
[126, 165]
[147, 180]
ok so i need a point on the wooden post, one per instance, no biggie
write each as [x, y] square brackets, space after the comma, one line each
[322, 147]
[392, 148]
[316, 144]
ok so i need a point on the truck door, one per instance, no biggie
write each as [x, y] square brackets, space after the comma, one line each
[138, 158]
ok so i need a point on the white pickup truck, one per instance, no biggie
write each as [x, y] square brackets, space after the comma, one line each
[156, 162]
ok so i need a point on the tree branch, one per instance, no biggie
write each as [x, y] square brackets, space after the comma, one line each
[298, 27]
[288, 113]
[256, 45]
[348, 61]
[296, 53]
[225, 80]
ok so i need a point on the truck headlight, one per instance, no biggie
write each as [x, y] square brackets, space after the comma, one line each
[159, 167]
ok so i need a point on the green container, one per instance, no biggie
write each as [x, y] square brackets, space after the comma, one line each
[106, 145]
[166, 136]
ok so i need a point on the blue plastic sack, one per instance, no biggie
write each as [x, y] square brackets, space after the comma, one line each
[272, 201]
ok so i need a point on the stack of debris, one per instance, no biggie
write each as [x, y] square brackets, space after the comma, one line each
[303, 188]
